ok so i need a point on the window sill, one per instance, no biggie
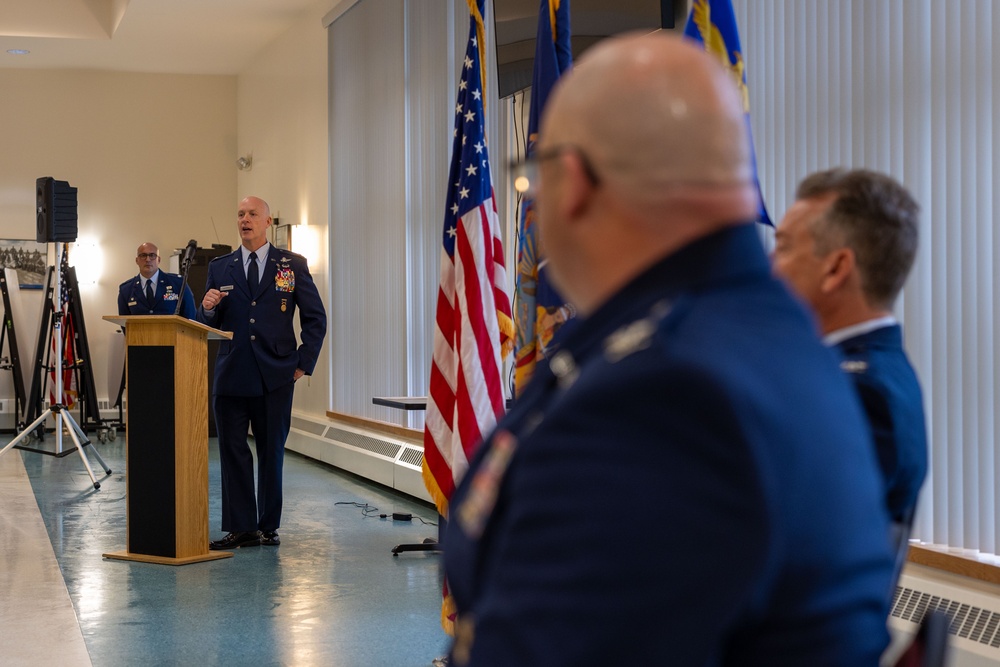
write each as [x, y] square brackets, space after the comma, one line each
[984, 567]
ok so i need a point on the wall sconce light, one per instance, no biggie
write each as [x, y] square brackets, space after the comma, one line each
[305, 241]
[245, 163]
[87, 257]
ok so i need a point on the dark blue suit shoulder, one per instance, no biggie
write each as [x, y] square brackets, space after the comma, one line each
[221, 259]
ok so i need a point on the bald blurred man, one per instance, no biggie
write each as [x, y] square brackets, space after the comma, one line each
[689, 480]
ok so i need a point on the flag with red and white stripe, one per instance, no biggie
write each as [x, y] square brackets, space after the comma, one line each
[474, 329]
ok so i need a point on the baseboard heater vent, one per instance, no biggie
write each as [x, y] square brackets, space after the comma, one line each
[414, 457]
[307, 426]
[967, 621]
[374, 445]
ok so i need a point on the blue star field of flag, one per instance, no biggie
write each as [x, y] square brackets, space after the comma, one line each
[470, 180]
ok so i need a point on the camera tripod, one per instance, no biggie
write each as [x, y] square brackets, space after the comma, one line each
[61, 412]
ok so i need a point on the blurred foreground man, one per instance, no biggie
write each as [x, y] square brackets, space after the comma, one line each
[846, 247]
[689, 480]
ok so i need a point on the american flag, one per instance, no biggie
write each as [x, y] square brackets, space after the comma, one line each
[474, 329]
[69, 391]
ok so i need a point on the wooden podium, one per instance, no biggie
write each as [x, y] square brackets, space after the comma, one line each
[167, 439]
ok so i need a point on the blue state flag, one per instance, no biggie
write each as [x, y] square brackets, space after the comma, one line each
[713, 24]
[539, 311]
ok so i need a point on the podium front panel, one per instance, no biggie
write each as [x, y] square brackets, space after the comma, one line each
[151, 451]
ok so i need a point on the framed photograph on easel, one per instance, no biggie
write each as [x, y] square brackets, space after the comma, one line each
[28, 258]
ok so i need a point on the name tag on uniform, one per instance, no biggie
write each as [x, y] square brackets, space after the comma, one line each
[226, 288]
[131, 303]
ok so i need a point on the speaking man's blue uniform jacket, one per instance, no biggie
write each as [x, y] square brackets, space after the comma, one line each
[132, 300]
[263, 353]
[890, 394]
[688, 481]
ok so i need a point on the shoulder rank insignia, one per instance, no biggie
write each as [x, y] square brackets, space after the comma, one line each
[636, 336]
[563, 366]
[629, 339]
[854, 366]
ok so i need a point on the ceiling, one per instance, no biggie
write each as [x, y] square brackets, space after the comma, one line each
[175, 36]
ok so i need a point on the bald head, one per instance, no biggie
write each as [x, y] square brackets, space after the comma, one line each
[643, 149]
[253, 218]
[147, 257]
[654, 113]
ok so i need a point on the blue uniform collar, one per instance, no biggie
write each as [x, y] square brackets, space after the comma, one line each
[732, 255]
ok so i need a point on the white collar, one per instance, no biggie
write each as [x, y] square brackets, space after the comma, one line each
[261, 252]
[149, 280]
[867, 326]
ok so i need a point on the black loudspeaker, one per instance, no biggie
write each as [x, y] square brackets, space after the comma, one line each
[56, 208]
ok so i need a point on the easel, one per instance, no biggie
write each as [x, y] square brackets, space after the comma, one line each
[12, 361]
[81, 366]
[60, 411]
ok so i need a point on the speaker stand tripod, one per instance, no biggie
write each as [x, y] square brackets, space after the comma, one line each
[61, 412]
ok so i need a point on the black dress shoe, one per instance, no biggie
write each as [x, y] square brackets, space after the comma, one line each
[236, 540]
[269, 538]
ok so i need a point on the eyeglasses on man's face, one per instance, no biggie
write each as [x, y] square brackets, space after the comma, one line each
[526, 173]
[147, 255]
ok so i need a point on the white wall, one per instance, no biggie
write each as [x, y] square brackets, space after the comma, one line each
[153, 157]
[282, 120]
[151, 154]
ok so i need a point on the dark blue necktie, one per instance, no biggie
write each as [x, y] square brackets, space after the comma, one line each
[149, 292]
[252, 277]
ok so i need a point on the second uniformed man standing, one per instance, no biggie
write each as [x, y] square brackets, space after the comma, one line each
[254, 293]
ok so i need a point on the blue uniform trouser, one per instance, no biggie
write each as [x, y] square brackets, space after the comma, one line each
[270, 418]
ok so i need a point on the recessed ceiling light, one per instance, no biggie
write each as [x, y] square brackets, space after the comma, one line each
[18, 52]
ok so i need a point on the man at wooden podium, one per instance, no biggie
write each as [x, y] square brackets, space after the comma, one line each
[254, 293]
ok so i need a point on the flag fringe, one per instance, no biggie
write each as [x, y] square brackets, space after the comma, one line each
[437, 495]
[448, 613]
[506, 323]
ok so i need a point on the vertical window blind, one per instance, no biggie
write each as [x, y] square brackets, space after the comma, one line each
[910, 88]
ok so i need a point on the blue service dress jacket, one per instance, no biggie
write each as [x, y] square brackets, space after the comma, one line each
[264, 353]
[892, 400]
[688, 481]
[132, 300]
